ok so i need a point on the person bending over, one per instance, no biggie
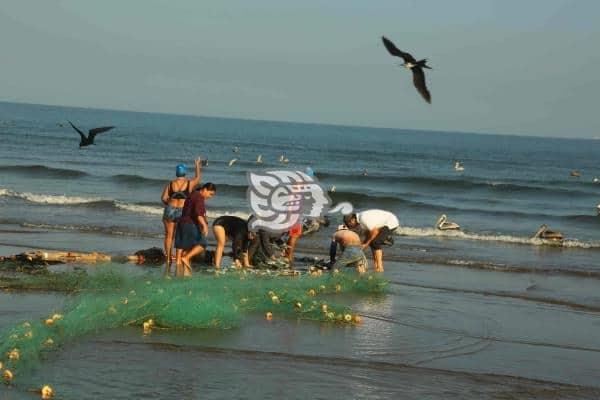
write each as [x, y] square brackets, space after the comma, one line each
[192, 228]
[263, 250]
[293, 235]
[304, 227]
[380, 226]
[235, 229]
[352, 251]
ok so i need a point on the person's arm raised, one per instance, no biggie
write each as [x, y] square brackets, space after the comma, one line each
[198, 177]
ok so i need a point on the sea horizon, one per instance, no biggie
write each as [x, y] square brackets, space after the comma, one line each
[341, 125]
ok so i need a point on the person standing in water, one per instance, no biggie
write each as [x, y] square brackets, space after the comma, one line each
[192, 228]
[379, 226]
[173, 197]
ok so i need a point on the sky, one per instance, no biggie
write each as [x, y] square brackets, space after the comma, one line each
[527, 67]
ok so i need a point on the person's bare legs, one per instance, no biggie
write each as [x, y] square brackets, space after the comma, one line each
[291, 243]
[168, 243]
[187, 256]
[220, 236]
[245, 260]
[178, 266]
[361, 266]
[377, 260]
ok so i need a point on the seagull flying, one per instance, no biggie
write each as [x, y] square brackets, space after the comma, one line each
[89, 139]
[415, 66]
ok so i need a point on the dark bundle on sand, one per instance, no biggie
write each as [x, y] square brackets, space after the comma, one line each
[25, 262]
[153, 255]
[156, 256]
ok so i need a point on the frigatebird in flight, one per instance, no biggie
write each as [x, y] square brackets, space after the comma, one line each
[89, 139]
[415, 66]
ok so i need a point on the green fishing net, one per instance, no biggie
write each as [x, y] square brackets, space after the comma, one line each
[110, 298]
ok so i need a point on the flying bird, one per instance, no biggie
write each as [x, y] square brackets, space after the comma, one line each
[415, 66]
[89, 139]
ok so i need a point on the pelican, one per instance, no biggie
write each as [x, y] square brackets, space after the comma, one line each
[283, 159]
[259, 159]
[444, 225]
[410, 63]
[89, 139]
[231, 162]
[458, 166]
[545, 233]
[576, 173]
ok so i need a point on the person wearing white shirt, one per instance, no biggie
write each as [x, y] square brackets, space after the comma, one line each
[380, 226]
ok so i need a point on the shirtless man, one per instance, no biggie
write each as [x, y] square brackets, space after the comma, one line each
[352, 254]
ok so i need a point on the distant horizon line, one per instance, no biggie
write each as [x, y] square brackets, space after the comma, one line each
[302, 122]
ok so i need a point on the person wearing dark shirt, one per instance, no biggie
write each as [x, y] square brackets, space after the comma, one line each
[262, 247]
[192, 228]
[235, 229]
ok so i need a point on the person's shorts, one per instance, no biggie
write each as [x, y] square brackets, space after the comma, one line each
[172, 213]
[384, 238]
[296, 230]
[351, 256]
[188, 236]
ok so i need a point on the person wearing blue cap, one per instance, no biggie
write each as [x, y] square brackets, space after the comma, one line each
[173, 197]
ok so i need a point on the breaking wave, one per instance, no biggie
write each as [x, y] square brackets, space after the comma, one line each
[432, 232]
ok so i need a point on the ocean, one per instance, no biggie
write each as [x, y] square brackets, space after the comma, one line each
[486, 312]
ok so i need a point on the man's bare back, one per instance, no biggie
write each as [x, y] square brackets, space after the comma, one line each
[346, 237]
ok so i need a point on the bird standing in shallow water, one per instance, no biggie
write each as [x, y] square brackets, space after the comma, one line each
[89, 139]
[412, 64]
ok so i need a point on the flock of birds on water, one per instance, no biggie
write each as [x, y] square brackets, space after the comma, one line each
[418, 75]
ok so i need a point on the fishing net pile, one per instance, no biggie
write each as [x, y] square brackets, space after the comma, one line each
[221, 300]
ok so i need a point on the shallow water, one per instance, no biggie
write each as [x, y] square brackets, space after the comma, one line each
[488, 344]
